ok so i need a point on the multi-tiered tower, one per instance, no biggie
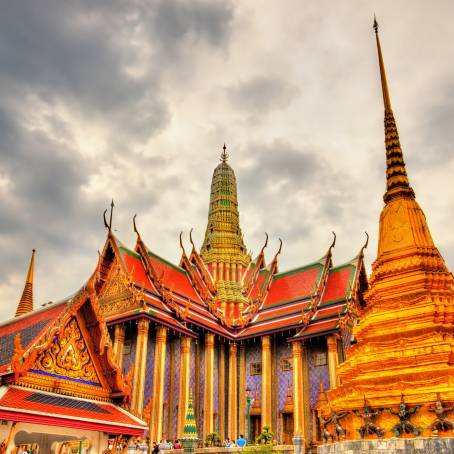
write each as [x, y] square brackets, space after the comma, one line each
[404, 347]
[223, 250]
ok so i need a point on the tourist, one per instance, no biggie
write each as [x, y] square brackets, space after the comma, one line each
[241, 442]
[228, 443]
[177, 445]
[155, 448]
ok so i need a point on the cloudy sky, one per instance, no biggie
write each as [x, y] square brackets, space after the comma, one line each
[133, 100]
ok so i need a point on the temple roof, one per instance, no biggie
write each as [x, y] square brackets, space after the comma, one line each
[26, 405]
[29, 327]
[178, 296]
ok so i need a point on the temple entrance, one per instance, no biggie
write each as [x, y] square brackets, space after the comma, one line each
[256, 426]
[287, 428]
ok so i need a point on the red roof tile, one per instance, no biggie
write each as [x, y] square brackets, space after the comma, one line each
[67, 411]
[29, 326]
[173, 278]
[293, 285]
[339, 282]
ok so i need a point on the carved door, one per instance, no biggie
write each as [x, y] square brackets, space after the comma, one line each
[287, 428]
[256, 426]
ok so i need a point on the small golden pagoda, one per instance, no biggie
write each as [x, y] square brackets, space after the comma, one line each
[404, 348]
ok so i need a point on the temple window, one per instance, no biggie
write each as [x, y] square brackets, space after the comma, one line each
[286, 364]
[320, 358]
[256, 369]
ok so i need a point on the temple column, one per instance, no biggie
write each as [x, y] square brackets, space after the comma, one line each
[298, 395]
[233, 392]
[208, 387]
[157, 406]
[266, 381]
[332, 360]
[140, 366]
[221, 379]
[119, 340]
[242, 392]
[185, 372]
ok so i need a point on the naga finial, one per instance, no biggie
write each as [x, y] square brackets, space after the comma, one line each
[280, 247]
[190, 237]
[181, 243]
[106, 225]
[135, 225]
[334, 240]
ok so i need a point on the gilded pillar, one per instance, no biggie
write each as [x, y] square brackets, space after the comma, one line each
[306, 396]
[242, 392]
[140, 366]
[266, 381]
[185, 372]
[298, 410]
[208, 387]
[119, 340]
[233, 392]
[221, 379]
[172, 367]
[157, 406]
[332, 360]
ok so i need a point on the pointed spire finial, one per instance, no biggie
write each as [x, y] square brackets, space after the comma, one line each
[224, 154]
[397, 183]
[26, 302]
[384, 82]
[111, 214]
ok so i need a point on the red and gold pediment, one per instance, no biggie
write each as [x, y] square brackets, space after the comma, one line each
[68, 356]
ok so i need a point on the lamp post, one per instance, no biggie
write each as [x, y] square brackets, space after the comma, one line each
[248, 410]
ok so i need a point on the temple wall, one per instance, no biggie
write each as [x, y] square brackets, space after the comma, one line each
[200, 363]
[253, 355]
[284, 380]
[128, 358]
[176, 386]
[317, 374]
[148, 388]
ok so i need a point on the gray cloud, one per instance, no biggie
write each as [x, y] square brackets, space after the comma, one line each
[132, 100]
[261, 94]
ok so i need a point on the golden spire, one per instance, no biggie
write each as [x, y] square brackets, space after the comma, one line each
[396, 175]
[26, 302]
[223, 241]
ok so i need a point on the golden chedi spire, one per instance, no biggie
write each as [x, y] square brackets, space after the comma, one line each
[404, 338]
[223, 249]
[26, 302]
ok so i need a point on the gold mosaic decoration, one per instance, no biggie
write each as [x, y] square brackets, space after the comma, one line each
[68, 355]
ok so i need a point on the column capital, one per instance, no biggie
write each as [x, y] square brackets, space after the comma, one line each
[209, 340]
[266, 342]
[233, 348]
[185, 344]
[161, 334]
[142, 326]
[297, 349]
[331, 342]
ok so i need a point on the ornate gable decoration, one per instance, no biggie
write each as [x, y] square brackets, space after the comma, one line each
[118, 293]
[67, 356]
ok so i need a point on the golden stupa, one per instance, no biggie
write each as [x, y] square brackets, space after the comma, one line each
[404, 350]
